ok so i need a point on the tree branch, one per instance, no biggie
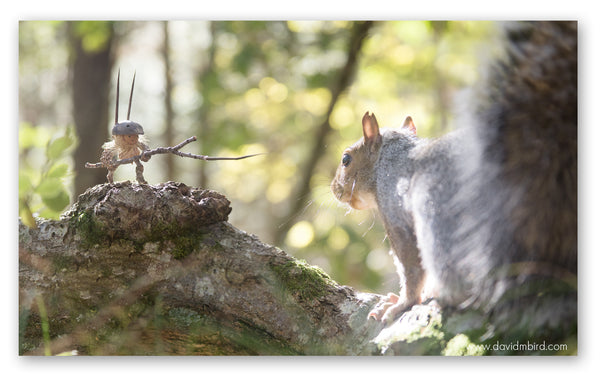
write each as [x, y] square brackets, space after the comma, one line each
[164, 150]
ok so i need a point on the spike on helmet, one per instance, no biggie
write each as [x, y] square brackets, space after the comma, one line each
[127, 127]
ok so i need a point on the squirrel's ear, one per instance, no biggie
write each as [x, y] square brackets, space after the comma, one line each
[370, 127]
[410, 125]
[371, 131]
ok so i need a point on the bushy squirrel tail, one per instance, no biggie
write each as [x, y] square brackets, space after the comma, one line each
[518, 201]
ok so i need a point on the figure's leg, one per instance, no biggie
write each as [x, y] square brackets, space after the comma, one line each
[139, 172]
[110, 174]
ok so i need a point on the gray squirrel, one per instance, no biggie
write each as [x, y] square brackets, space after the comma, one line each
[404, 178]
[488, 213]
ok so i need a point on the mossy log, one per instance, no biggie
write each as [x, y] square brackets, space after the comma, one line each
[133, 269]
[139, 269]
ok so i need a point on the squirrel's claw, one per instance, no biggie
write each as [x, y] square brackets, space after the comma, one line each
[389, 308]
[383, 306]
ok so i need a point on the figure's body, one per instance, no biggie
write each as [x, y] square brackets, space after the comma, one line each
[127, 141]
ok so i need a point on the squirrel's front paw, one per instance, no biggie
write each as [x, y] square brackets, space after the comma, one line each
[389, 307]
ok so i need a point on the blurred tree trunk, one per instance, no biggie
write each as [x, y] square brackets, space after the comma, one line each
[90, 79]
[346, 75]
[207, 77]
[169, 114]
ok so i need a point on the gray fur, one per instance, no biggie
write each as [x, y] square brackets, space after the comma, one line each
[489, 212]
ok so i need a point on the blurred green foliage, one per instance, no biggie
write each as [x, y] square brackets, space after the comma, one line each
[94, 34]
[43, 189]
[264, 87]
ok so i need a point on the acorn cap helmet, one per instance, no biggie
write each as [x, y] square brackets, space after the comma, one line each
[126, 127]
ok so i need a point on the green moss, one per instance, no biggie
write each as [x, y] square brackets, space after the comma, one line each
[183, 241]
[461, 345]
[91, 232]
[433, 331]
[162, 231]
[418, 332]
[186, 318]
[185, 244]
[302, 280]
[171, 230]
[62, 262]
[223, 339]
[183, 247]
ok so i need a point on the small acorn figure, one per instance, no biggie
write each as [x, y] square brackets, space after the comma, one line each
[127, 140]
[128, 145]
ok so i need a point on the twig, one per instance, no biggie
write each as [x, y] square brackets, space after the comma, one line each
[164, 150]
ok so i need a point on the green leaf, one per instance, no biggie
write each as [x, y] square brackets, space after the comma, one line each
[27, 136]
[27, 217]
[25, 185]
[58, 202]
[30, 136]
[58, 146]
[58, 170]
[49, 188]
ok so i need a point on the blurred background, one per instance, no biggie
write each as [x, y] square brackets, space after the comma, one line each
[295, 91]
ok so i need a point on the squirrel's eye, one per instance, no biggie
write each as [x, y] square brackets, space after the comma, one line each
[346, 159]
